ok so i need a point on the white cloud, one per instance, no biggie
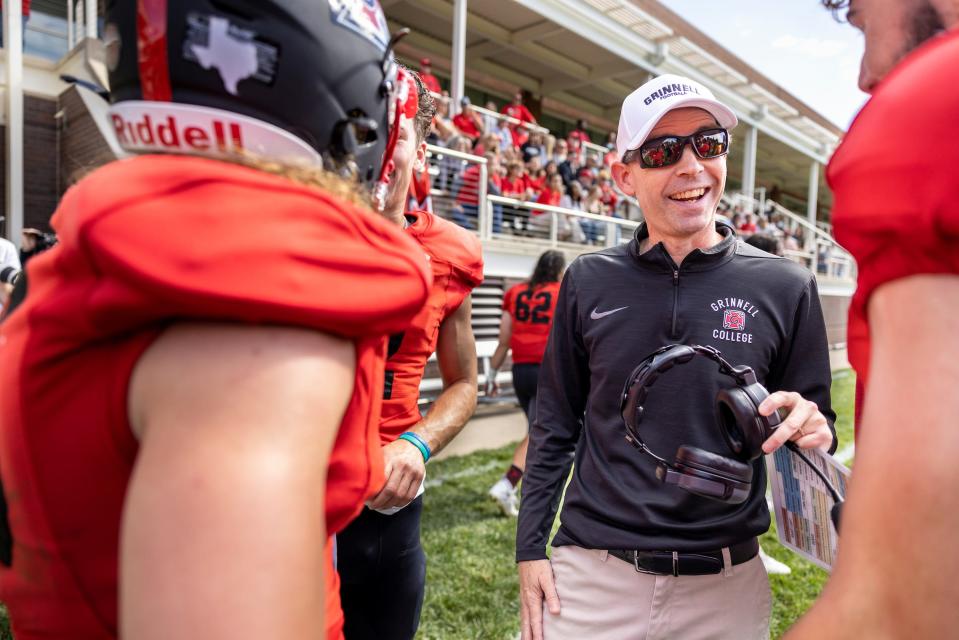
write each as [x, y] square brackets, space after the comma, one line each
[812, 47]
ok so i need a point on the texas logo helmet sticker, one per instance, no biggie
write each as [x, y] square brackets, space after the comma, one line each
[364, 17]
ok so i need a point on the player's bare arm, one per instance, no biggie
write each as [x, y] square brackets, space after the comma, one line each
[456, 355]
[226, 501]
[900, 510]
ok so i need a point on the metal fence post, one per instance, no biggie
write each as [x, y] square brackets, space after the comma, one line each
[484, 211]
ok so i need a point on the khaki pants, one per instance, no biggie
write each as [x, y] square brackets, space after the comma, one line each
[603, 598]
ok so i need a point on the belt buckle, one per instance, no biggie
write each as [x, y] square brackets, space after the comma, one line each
[652, 573]
[640, 569]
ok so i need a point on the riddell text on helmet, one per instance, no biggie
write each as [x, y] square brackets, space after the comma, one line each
[166, 127]
[168, 133]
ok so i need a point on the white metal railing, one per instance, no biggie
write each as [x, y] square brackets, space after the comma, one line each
[555, 225]
[483, 111]
[819, 252]
[55, 27]
[459, 193]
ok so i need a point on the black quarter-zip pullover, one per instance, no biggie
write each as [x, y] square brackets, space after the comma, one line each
[616, 307]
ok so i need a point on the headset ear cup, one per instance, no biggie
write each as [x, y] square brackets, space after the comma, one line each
[708, 461]
[709, 475]
[740, 422]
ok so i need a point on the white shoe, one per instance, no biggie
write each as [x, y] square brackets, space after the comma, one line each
[774, 567]
[505, 495]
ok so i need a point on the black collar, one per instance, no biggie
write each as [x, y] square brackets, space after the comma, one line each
[656, 258]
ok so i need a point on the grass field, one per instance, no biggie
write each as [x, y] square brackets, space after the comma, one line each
[471, 590]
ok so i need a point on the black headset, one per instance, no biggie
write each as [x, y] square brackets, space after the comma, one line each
[696, 470]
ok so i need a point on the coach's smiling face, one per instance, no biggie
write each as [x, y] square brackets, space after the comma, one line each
[679, 200]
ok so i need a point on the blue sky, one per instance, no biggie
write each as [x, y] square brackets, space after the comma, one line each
[796, 43]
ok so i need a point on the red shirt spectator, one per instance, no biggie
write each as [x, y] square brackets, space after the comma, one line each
[578, 136]
[749, 226]
[468, 121]
[609, 196]
[426, 75]
[536, 185]
[550, 197]
[514, 184]
[518, 110]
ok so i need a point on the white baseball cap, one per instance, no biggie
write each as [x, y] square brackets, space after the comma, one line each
[643, 108]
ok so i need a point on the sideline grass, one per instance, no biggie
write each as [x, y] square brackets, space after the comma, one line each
[471, 588]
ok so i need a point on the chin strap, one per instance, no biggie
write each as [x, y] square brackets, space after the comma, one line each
[405, 106]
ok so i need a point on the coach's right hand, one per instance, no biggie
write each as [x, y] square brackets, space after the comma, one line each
[535, 584]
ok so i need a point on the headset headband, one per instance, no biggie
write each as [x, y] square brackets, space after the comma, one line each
[660, 361]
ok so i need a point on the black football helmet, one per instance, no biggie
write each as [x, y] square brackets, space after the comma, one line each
[321, 70]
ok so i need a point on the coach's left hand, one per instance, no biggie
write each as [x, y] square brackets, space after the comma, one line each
[404, 473]
[804, 425]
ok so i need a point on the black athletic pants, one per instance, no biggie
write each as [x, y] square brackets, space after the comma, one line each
[382, 571]
[525, 379]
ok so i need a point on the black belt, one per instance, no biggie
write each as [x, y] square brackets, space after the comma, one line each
[686, 563]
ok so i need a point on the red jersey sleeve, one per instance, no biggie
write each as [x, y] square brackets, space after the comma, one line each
[302, 258]
[894, 180]
[508, 298]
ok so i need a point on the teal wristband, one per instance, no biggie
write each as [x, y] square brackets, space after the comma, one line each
[417, 442]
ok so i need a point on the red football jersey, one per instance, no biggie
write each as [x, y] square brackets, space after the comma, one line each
[894, 181]
[456, 259]
[145, 243]
[532, 313]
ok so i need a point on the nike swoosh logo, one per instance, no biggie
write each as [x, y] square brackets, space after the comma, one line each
[596, 315]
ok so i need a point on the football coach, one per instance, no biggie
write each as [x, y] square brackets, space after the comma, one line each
[683, 279]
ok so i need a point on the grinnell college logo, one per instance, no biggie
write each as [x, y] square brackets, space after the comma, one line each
[735, 311]
[734, 320]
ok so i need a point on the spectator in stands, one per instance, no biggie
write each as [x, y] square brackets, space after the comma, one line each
[593, 203]
[554, 191]
[514, 184]
[466, 191]
[426, 75]
[488, 143]
[565, 164]
[467, 121]
[765, 243]
[450, 167]
[577, 137]
[609, 198]
[535, 145]
[748, 225]
[516, 109]
[535, 176]
[610, 156]
[524, 329]
[504, 134]
[490, 119]
[443, 129]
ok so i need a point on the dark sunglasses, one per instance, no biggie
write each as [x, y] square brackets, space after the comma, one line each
[662, 152]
